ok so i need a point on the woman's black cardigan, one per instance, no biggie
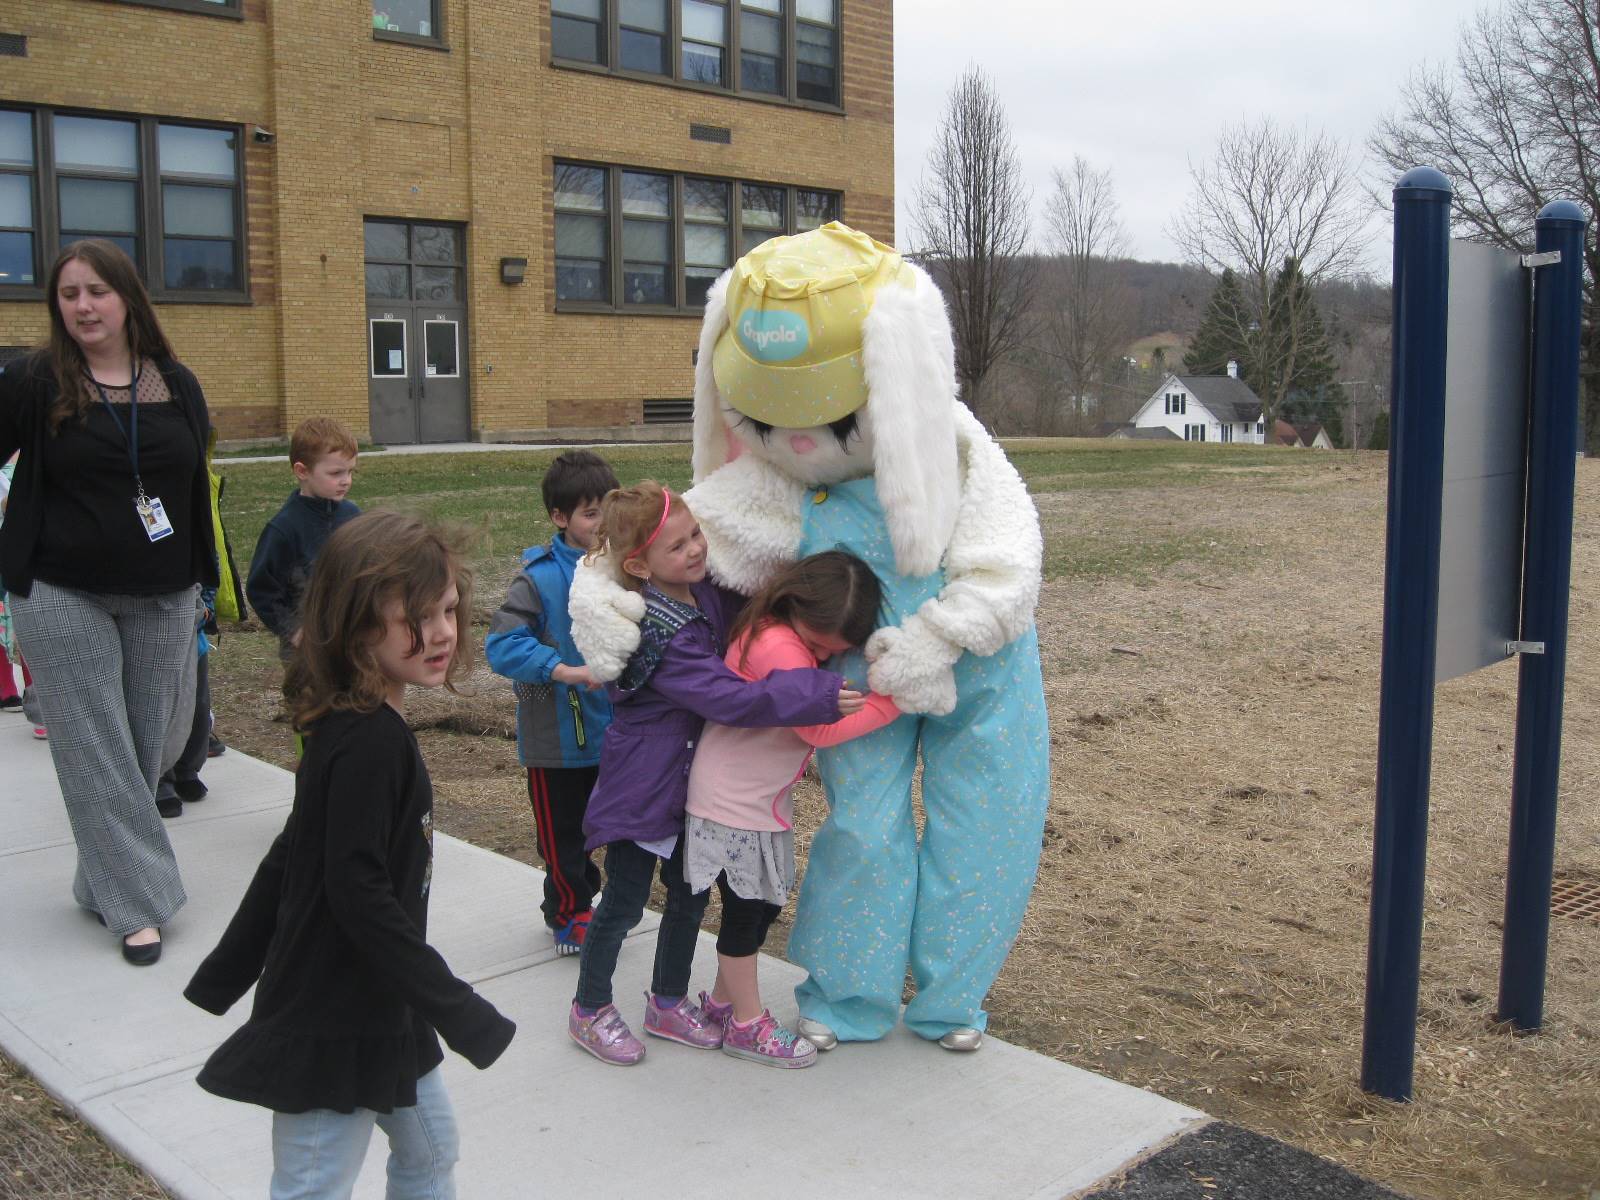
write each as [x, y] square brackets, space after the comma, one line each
[27, 390]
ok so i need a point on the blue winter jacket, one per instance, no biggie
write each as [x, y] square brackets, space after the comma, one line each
[557, 725]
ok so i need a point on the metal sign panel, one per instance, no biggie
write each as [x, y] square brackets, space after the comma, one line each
[1485, 459]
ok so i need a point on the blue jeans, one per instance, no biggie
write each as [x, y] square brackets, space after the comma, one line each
[317, 1155]
[630, 869]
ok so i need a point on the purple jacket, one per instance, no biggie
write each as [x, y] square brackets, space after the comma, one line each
[644, 764]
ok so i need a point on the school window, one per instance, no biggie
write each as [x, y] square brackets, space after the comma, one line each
[785, 49]
[225, 8]
[408, 21]
[167, 192]
[647, 240]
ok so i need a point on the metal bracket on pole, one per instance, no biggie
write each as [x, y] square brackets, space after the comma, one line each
[1524, 648]
[1545, 258]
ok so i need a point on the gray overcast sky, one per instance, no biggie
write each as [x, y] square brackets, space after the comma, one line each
[1143, 87]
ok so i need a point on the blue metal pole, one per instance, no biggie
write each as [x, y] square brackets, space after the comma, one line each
[1410, 629]
[1546, 576]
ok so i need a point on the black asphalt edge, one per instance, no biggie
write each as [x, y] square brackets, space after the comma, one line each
[1220, 1161]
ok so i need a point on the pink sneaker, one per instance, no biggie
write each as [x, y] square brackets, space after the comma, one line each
[765, 1041]
[606, 1036]
[686, 1023]
[719, 1013]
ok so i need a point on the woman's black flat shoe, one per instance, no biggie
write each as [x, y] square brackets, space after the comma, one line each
[142, 956]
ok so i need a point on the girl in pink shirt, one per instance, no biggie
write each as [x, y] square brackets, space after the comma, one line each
[739, 830]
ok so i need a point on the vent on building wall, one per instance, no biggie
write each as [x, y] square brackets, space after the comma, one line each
[711, 133]
[669, 412]
[14, 45]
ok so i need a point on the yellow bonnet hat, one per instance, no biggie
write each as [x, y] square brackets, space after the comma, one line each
[791, 353]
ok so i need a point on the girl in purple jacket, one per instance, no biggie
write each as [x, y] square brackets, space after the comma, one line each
[673, 683]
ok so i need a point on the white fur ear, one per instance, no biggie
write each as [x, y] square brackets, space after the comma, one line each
[908, 356]
[711, 447]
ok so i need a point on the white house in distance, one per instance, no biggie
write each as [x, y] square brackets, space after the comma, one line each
[1204, 408]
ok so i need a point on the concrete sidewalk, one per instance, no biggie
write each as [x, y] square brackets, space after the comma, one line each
[895, 1119]
[891, 1120]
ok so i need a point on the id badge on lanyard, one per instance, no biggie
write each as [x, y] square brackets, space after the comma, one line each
[152, 515]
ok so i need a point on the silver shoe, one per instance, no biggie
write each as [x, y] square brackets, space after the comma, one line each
[818, 1034]
[964, 1039]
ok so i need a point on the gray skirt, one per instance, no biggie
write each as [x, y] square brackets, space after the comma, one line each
[759, 863]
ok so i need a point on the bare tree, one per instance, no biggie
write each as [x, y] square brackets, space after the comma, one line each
[1088, 313]
[970, 226]
[1515, 123]
[1269, 196]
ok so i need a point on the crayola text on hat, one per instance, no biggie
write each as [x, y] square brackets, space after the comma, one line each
[791, 354]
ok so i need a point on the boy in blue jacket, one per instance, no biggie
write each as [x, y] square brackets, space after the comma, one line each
[562, 713]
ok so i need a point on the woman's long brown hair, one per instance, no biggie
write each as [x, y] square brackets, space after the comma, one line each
[366, 566]
[74, 392]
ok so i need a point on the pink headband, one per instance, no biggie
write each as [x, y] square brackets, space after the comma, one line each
[666, 507]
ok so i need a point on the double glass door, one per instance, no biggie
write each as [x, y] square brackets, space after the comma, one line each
[416, 332]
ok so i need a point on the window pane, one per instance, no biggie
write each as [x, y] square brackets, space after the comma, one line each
[388, 283]
[16, 200]
[128, 245]
[760, 74]
[704, 22]
[404, 16]
[388, 347]
[645, 52]
[771, 6]
[438, 283]
[581, 188]
[764, 35]
[644, 14]
[644, 284]
[816, 10]
[815, 208]
[384, 241]
[16, 139]
[754, 238]
[647, 240]
[198, 211]
[16, 258]
[705, 200]
[705, 245]
[702, 64]
[762, 207]
[814, 65]
[582, 280]
[646, 195]
[580, 237]
[439, 348]
[697, 282]
[106, 205]
[577, 8]
[85, 142]
[577, 40]
[435, 244]
[195, 264]
[186, 150]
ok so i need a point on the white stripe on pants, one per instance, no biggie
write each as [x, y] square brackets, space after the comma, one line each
[109, 671]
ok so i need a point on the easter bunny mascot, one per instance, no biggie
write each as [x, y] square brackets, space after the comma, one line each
[827, 416]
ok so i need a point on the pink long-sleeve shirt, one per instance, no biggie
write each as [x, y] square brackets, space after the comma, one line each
[744, 778]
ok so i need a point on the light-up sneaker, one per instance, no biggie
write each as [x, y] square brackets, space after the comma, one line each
[606, 1036]
[765, 1041]
[685, 1023]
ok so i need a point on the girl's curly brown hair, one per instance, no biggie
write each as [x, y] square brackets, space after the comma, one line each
[368, 564]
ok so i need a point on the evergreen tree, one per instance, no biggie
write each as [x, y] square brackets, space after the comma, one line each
[1297, 340]
[1379, 438]
[1223, 334]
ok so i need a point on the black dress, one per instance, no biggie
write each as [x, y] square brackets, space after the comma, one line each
[335, 924]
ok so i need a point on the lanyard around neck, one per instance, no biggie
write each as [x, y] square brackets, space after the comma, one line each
[131, 434]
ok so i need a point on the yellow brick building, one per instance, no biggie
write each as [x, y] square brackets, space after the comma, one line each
[435, 219]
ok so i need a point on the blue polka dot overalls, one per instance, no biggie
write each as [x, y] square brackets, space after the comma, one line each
[873, 898]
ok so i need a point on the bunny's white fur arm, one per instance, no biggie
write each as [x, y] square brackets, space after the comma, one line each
[605, 618]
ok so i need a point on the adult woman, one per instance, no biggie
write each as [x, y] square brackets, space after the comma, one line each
[107, 533]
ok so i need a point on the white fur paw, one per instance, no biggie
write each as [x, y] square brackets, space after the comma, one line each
[605, 619]
[912, 665]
